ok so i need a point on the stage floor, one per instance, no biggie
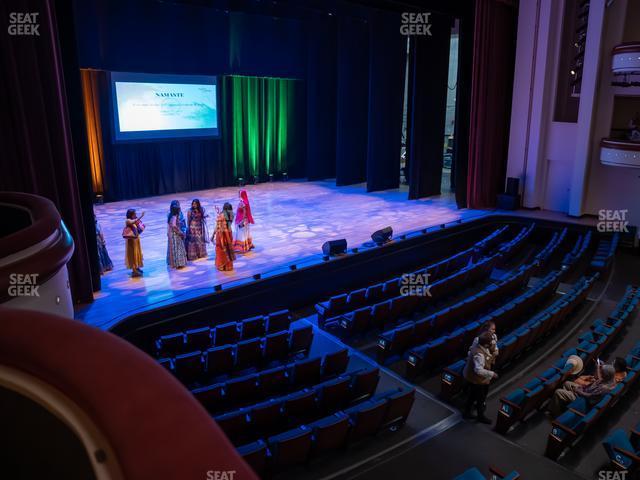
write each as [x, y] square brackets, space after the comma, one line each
[293, 220]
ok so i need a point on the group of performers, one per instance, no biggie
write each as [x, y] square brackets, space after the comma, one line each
[187, 238]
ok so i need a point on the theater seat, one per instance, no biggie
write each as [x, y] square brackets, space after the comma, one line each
[374, 293]
[301, 338]
[623, 450]
[198, 338]
[333, 394]
[170, 345]
[366, 418]
[242, 389]
[290, 448]
[364, 384]
[211, 397]
[335, 363]
[306, 372]
[265, 417]
[300, 405]
[248, 353]
[253, 327]
[399, 405]
[226, 334]
[357, 321]
[219, 360]
[278, 321]
[330, 433]
[233, 424]
[273, 380]
[189, 366]
[276, 346]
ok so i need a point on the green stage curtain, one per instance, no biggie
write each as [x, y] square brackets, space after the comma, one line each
[261, 125]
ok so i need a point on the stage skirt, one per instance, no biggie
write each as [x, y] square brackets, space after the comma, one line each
[196, 246]
[243, 242]
[133, 253]
[176, 253]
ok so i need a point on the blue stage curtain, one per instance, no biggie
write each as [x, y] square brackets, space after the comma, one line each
[428, 75]
[387, 61]
[353, 101]
[321, 97]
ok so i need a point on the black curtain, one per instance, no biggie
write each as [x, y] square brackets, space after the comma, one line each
[428, 75]
[352, 101]
[387, 60]
[321, 97]
[460, 163]
[44, 145]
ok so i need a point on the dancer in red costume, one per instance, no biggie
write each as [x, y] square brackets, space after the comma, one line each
[243, 241]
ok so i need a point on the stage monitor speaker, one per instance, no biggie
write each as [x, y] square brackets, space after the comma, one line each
[381, 237]
[334, 247]
[513, 186]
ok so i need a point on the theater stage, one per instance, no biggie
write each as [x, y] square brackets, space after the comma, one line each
[293, 220]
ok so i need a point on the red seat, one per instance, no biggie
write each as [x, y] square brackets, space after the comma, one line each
[219, 360]
[226, 334]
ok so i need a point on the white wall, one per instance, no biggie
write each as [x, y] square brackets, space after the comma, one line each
[560, 162]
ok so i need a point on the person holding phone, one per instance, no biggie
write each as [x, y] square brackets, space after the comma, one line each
[133, 249]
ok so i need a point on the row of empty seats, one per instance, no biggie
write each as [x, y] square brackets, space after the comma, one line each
[580, 415]
[224, 334]
[386, 411]
[330, 310]
[577, 253]
[287, 411]
[551, 247]
[623, 449]
[412, 333]
[436, 352]
[273, 381]
[516, 342]
[508, 249]
[516, 406]
[405, 305]
[204, 366]
[605, 252]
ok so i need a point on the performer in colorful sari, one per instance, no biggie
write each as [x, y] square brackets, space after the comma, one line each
[133, 249]
[196, 231]
[176, 233]
[243, 241]
[224, 244]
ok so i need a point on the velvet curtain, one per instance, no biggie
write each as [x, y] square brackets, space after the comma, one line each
[492, 83]
[264, 131]
[44, 141]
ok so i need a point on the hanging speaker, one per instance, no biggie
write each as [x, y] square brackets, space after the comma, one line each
[513, 186]
[381, 237]
[334, 247]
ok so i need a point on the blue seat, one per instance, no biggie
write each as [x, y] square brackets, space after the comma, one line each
[330, 433]
[290, 448]
[622, 449]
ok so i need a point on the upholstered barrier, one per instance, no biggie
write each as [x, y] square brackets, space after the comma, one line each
[153, 426]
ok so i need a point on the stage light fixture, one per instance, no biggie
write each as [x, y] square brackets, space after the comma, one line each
[99, 199]
[325, 258]
[424, 230]
[241, 182]
[380, 237]
[402, 237]
[459, 220]
[271, 177]
[443, 226]
[217, 288]
[354, 250]
[257, 276]
[256, 179]
[293, 267]
[285, 176]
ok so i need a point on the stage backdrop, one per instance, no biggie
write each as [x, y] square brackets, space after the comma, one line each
[263, 126]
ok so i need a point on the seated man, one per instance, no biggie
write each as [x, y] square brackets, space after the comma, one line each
[619, 365]
[594, 392]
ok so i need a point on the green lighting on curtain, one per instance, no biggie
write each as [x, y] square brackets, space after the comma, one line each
[261, 112]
